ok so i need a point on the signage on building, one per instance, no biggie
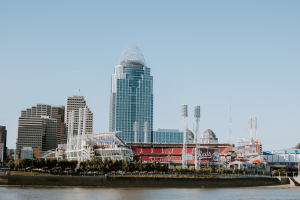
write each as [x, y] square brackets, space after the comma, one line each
[242, 142]
[247, 150]
[106, 140]
[208, 154]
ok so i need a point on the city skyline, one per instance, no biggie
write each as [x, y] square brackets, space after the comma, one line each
[204, 54]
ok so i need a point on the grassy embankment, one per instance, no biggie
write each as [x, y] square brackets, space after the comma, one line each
[34, 173]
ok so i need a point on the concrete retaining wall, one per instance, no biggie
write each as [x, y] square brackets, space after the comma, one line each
[137, 181]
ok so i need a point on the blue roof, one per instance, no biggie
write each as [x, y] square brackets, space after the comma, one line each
[295, 151]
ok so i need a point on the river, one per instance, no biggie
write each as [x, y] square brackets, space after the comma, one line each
[82, 193]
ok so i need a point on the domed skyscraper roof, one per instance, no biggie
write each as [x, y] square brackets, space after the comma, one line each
[132, 53]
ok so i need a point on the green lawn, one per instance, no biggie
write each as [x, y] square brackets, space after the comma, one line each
[22, 173]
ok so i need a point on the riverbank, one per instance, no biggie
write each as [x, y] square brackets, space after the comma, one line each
[127, 181]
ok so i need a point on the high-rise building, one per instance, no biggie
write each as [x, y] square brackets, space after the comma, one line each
[37, 111]
[58, 113]
[131, 98]
[75, 103]
[3, 138]
[36, 129]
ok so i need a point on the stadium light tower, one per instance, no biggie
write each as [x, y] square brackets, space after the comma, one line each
[196, 140]
[250, 128]
[135, 129]
[255, 127]
[230, 141]
[145, 130]
[184, 114]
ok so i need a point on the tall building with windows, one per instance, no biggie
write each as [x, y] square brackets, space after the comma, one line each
[37, 129]
[75, 103]
[3, 139]
[58, 113]
[131, 98]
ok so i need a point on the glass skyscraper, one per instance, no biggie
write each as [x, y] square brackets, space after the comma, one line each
[131, 98]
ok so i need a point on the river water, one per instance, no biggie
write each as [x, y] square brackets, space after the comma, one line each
[77, 193]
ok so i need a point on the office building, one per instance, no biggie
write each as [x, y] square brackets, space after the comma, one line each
[74, 103]
[3, 140]
[36, 129]
[58, 113]
[131, 98]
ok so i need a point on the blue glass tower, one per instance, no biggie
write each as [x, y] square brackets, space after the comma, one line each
[131, 98]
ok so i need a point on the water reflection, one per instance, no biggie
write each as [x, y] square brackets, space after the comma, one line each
[49, 193]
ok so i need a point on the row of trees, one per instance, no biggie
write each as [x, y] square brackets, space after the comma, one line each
[278, 172]
[40, 163]
[108, 165]
[96, 165]
[221, 170]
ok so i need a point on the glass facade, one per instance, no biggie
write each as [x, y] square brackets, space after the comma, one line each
[168, 136]
[131, 97]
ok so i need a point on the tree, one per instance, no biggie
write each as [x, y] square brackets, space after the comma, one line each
[39, 162]
[72, 164]
[83, 166]
[25, 162]
[131, 167]
[140, 165]
[148, 166]
[165, 168]
[100, 165]
[192, 169]
[135, 165]
[16, 163]
[10, 164]
[116, 165]
[110, 164]
[154, 167]
[275, 172]
[175, 169]
[297, 146]
[51, 162]
[63, 164]
[281, 172]
[125, 165]
[158, 166]
[106, 165]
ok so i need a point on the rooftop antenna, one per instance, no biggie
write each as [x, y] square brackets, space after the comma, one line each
[184, 114]
[196, 140]
[230, 127]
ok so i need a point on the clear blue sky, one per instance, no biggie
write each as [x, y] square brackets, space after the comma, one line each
[199, 52]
